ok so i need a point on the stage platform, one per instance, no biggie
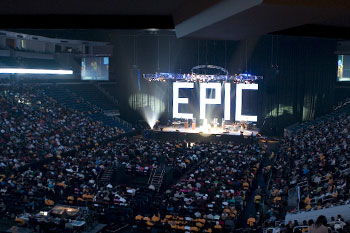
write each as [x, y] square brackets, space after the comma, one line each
[202, 134]
[209, 131]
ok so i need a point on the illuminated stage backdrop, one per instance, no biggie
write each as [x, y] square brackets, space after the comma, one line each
[209, 93]
[209, 100]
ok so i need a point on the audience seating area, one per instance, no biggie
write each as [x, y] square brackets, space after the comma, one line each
[344, 108]
[29, 63]
[33, 63]
[58, 147]
[8, 62]
[74, 179]
[212, 196]
[93, 95]
[69, 97]
[111, 89]
[34, 126]
[312, 170]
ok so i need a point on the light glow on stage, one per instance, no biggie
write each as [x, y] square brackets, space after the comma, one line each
[150, 106]
[151, 120]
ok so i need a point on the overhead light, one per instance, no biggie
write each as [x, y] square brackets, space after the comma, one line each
[33, 71]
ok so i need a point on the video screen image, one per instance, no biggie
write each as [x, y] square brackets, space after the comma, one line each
[343, 68]
[95, 68]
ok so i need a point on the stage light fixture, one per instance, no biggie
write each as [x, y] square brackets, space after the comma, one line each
[195, 75]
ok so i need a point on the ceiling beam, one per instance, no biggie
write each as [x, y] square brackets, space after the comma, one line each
[214, 14]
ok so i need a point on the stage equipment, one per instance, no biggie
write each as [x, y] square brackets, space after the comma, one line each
[220, 74]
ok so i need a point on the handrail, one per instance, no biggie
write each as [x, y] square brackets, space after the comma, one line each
[121, 228]
[151, 175]
[345, 171]
[299, 184]
[342, 105]
[268, 184]
[99, 174]
[269, 180]
[162, 176]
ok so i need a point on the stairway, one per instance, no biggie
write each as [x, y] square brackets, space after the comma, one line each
[107, 175]
[156, 177]
[250, 209]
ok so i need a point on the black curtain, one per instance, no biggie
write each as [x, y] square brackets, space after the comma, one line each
[299, 81]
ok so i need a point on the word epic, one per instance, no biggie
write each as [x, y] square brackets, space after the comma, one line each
[217, 100]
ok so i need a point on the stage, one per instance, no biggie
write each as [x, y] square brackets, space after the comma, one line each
[201, 134]
[209, 131]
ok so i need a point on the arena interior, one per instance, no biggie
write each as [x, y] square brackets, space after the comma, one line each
[175, 116]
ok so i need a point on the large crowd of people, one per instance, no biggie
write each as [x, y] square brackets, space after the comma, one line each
[52, 155]
[211, 196]
[74, 178]
[34, 126]
[313, 164]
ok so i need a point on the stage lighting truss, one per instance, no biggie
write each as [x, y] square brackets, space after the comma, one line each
[196, 76]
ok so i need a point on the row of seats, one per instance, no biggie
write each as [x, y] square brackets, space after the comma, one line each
[320, 120]
[93, 95]
[69, 96]
[30, 63]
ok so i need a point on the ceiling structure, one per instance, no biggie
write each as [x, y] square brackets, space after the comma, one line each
[200, 19]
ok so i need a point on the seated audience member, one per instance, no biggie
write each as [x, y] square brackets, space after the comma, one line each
[320, 226]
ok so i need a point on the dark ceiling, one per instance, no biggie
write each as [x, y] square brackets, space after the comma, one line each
[204, 19]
